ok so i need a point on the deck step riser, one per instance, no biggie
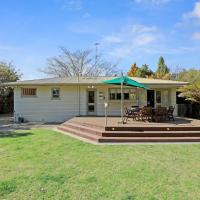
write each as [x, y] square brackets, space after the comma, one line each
[146, 134]
[83, 129]
[142, 129]
[119, 140]
[85, 124]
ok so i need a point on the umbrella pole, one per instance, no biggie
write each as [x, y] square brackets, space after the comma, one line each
[122, 104]
[122, 120]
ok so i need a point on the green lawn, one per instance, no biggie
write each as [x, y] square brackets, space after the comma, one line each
[43, 164]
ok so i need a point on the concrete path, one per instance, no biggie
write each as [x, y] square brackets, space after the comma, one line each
[7, 124]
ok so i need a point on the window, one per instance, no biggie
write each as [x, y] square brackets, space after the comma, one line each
[118, 94]
[126, 94]
[55, 93]
[112, 94]
[28, 92]
[129, 94]
[158, 96]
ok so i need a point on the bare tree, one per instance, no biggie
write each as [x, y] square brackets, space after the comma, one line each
[78, 63]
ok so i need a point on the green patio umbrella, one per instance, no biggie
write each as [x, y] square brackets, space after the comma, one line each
[124, 80]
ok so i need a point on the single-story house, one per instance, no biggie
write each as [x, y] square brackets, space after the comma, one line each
[59, 99]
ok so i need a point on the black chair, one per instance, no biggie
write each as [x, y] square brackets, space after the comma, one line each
[127, 114]
[170, 112]
[145, 114]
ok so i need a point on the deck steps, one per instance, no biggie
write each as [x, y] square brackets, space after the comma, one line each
[85, 124]
[131, 134]
[81, 134]
[81, 127]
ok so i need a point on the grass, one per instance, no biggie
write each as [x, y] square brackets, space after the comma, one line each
[43, 164]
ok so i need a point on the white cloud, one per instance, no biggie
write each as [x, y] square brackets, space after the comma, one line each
[124, 42]
[145, 39]
[195, 13]
[196, 36]
[112, 39]
[138, 40]
[191, 21]
[163, 49]
[154, 2]
[138, 34]
[73, 5]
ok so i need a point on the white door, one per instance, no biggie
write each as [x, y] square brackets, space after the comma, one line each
[91, 102]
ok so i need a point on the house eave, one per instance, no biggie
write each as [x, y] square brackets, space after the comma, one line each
[89, 84]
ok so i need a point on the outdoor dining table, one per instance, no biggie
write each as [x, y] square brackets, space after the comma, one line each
[135, 109]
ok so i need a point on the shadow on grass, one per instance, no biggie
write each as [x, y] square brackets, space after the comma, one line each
[11, 134]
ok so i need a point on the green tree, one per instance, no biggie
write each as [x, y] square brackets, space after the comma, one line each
[191, 75]
[191, 92]
[162, 71]
[143, 71]
[8, 73]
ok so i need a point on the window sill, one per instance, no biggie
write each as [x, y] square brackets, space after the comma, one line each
[33, 96]
[55, 98]
[119, 100]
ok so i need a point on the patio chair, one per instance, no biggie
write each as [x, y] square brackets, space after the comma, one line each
[170, 112]
[127, 114]
[145, 114]
[140, 114]
[160, 114]
[149, 113]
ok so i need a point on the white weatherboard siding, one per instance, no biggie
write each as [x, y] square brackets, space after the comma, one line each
[45, 109]
[142, 96]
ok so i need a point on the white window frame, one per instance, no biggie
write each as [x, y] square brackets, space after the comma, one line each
[158, 91]
[124, 89]
[55, 98]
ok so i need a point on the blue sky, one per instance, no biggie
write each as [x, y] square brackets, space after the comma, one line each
[128, 31]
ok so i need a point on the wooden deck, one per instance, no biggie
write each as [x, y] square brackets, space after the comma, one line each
[93, 128]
